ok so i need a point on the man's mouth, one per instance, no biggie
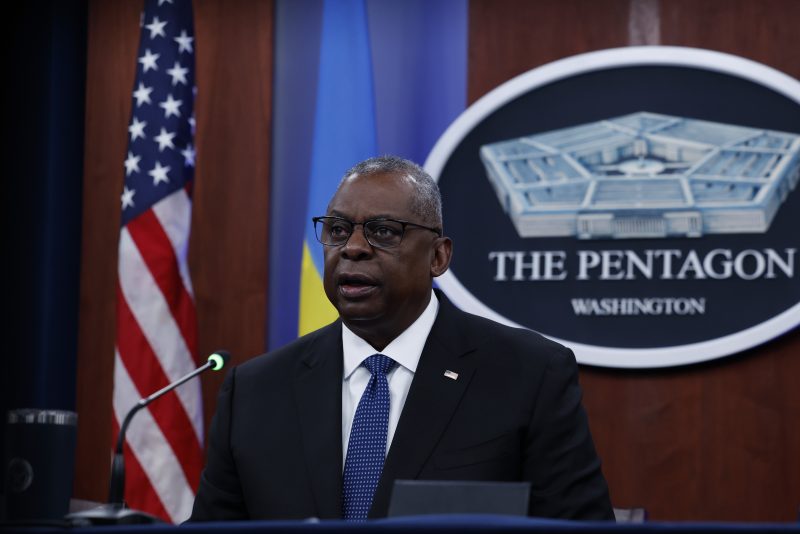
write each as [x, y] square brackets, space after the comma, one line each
[355, 286]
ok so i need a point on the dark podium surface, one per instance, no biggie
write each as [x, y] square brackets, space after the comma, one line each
[429, 523]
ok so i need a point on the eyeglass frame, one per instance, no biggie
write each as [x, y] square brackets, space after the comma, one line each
[363, 224]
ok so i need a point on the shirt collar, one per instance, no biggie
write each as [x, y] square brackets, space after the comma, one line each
[405, 349]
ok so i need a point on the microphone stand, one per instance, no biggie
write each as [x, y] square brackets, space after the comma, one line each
[114, 512]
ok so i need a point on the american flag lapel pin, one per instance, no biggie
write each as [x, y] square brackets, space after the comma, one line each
[451, 374]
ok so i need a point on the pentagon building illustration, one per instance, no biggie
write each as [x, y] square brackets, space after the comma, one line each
[644, 175]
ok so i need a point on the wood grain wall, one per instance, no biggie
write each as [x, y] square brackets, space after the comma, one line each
[228, 248]
[717, 441]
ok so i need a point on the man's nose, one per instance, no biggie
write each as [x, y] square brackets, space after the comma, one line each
[357, 245]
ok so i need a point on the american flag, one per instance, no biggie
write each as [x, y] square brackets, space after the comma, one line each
[156, 326]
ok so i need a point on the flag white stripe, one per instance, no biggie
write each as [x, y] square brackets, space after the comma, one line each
[174, 212]
[151, 448]
[152, 313]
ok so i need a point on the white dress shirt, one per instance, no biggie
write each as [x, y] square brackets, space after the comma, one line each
[405, 349]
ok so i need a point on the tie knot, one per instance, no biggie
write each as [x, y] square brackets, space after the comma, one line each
[379, 364]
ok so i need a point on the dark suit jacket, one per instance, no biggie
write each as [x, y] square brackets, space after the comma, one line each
[514, 413]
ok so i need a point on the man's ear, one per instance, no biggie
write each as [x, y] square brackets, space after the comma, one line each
[442, 252]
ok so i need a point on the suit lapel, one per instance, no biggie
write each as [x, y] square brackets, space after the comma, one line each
[318, 394]
[430, 404]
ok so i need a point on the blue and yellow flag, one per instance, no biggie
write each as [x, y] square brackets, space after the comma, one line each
[344, 134]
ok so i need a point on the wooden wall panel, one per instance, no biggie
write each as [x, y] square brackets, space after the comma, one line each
[228, 247]
[715, 441]
[509, 37]
[762, 30]
[229, 243]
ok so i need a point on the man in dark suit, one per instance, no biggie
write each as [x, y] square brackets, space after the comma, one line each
[302, 431]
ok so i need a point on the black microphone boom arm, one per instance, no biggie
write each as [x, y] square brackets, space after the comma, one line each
[114, 512]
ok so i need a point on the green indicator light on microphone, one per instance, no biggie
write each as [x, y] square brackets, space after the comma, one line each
[217, 361]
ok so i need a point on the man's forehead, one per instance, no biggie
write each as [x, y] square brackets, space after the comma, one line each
[379, 193]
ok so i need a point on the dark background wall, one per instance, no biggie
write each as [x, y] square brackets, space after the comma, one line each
[713, 441]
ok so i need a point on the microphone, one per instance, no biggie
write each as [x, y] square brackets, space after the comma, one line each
[114, 511]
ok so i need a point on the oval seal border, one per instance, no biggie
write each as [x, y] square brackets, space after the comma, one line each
[607, 59]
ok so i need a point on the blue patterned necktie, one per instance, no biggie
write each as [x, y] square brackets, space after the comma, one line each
[366, 449]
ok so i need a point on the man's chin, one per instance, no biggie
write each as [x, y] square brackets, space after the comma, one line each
[359, 316]
[359, 312]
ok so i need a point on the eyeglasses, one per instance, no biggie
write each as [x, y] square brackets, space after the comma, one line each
[380, 233]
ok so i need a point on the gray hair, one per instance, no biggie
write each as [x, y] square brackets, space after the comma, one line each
[427, 202]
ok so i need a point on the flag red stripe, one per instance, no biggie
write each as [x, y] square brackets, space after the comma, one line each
[148, 376]
[159, 256]
[139, 493]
